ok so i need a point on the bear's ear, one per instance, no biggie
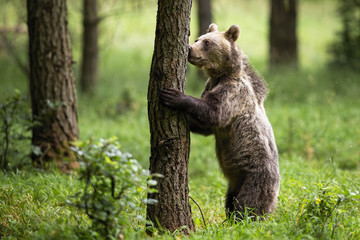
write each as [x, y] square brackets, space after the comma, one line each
[233, 33]
[212, 28]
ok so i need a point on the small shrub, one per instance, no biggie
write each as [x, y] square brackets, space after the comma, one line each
[113, 186]
[15, 132]
[321, 210]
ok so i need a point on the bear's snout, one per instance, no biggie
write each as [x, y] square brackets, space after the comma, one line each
[189, 52]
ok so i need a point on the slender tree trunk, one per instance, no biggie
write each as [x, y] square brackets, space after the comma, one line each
[204, 18]
[283, 39]
[170, 138]
[89, 66]
[204, 15]
[52, 83]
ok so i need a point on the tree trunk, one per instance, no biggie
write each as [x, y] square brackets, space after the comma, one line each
[52, 83]
[170, 138]
[283, 39]
[204, 15]
[204, 18]
[89, 66]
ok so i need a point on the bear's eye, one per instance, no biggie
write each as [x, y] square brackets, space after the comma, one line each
[206, 42]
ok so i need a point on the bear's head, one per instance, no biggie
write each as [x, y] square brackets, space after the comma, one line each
[215, 51]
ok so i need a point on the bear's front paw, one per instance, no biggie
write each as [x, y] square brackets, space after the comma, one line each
[171, 97]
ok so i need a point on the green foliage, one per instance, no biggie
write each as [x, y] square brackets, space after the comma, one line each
[15, 127]
[113, 186]
[319, 212]
[346, 49]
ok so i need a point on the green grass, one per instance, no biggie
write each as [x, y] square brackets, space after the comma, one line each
[33, 206]
[36, 200]
[314, 112]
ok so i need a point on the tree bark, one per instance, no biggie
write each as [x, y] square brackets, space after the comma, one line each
[170, 138]
[52, 83]
[89, 66]
[283, 38]
[204, 15]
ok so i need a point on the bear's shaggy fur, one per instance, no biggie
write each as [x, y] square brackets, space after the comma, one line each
[231, 107]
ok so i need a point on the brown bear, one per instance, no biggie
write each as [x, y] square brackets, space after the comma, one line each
[232, 108]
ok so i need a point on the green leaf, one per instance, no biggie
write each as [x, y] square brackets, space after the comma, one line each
[36, 150]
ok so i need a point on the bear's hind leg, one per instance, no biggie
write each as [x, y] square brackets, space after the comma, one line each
[234, 206]
[229, 202]
[257, 196]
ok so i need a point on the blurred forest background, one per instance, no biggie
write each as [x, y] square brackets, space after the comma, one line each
[326, 74]
[313, 106]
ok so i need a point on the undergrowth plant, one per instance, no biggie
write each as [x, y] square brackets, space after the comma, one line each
[114, 186]
[15, 127]
[321, 210]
